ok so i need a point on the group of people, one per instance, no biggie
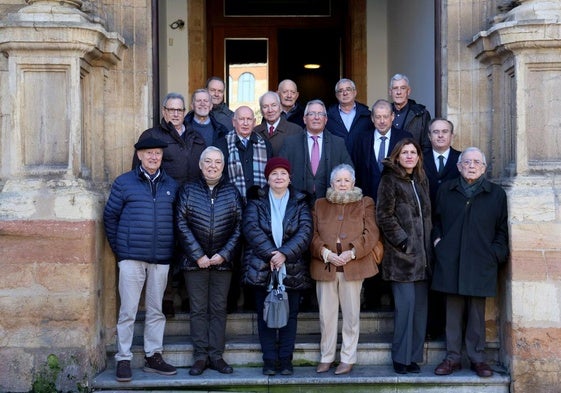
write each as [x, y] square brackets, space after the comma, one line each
[235, 204]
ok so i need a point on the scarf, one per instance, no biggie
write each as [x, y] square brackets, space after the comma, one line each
[235, 169]
[278, 209]
[343, 197]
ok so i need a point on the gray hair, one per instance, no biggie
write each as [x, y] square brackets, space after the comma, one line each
[472, 149]
[344, 80]
[314, 102]
[267, 94]
[209, 150]
[173, 96]
[398, 77]
[200, 91]
[342, 167]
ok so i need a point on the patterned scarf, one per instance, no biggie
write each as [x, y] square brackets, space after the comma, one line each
[235, 170]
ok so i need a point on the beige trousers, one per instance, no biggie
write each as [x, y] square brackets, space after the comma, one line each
[330, 295]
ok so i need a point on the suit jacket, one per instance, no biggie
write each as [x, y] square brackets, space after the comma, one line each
[368, 174]
[295, 150]
[284, 129]
[435, 180]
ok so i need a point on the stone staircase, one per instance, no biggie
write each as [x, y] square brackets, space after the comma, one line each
[373, 371]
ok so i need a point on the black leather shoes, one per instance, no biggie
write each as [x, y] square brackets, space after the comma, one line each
[198, 367]
[413, 368]
[399, 368]
[221, 366]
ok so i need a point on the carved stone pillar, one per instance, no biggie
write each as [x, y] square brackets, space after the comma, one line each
[521, 51]
[50, 226]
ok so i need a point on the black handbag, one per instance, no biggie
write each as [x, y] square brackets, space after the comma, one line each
[275, 309]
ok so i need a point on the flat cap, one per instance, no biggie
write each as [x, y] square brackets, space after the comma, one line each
[150, 143]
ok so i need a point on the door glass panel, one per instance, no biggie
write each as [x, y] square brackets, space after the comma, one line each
[247, 68]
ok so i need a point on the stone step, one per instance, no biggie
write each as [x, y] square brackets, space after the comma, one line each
[245, 350]
[246, 323]
[362, 379]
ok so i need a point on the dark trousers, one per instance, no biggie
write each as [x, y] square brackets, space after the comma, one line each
[458, 309]
[277, 344]
[208, 296]
[410, 321]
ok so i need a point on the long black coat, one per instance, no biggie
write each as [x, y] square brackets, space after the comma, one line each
[403, 213]
[297, 235]
[474, 239]
[208, 222]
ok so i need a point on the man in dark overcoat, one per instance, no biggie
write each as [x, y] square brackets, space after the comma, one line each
[470, 235]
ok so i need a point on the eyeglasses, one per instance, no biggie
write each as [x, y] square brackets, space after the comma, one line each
[346, 89]
[316, 114]
[174, 110]
[468, 163]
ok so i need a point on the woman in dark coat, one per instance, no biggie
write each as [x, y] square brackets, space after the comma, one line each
[208, 219]
[277, 226]
[404, 218]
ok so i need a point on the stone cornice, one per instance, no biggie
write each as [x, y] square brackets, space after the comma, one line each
[44, 27]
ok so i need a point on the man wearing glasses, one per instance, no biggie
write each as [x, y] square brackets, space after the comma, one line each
[314, 152]
[181, 158]
[470, 237]
[348, 117]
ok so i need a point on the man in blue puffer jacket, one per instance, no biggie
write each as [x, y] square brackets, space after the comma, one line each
[138, 221]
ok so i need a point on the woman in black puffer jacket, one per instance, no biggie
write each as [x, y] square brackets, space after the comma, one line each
[208, 219]
[277, 226]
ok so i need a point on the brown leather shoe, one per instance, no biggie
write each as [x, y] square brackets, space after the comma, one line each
[323, 367]
[343, 368]
[447, 367]
[482, 369]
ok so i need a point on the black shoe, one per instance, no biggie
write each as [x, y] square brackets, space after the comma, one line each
[413, 368]
[221, 366]
[124, 372]
[198, 367]
[156, 364]
[399, 368]
[286, 367]
[269, 367]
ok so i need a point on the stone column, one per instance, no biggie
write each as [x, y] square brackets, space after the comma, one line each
[50, 232]
[522, 51]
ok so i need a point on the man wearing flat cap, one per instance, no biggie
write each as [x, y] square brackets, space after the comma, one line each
[138, 219]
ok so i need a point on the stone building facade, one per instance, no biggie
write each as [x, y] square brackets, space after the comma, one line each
[76, 88]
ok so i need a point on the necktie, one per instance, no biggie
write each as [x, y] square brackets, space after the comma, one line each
[315, 155]
[244, 142]
[382, 152]
[440, 164]
[271, 130]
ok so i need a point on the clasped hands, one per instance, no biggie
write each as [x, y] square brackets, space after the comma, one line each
[341, 259]
[277, 260]
[205, 262]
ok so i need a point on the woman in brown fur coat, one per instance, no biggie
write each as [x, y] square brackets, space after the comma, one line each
[404, 218]
[345, 234]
